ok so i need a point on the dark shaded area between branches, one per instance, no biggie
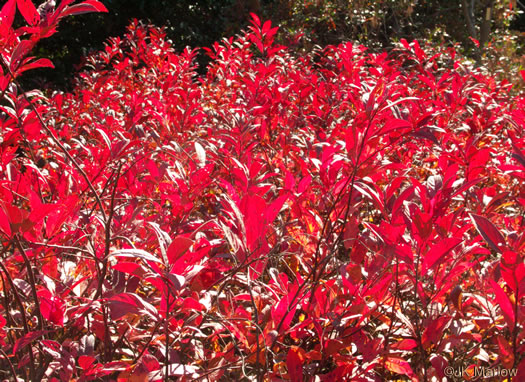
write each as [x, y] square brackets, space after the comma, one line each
[198, 23]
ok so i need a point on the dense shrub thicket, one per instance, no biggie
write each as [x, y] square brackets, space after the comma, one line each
[339, 215]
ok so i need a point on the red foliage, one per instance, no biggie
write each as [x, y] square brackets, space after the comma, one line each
[343, 214]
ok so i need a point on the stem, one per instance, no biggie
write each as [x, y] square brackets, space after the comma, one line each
[9, 319]
[417, 322]
[256, 313]
[107, 239]
[11, 367]
[147, 343]
[166, 333]
[108, 348]
[24, 320]
[32, 281]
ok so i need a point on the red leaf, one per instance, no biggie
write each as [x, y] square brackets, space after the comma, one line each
[20, 51]
[351, 231]
[504, 303]
[136, 254]
[51, 307]
[205, 279]
[18, 218]
[130, 268]
[40, 63]
[489, 232]
[178, 247]
[506, 354]
[406, 344]
[398, 366]
[303, 184]
[274, 208]
[476, 42]
[396, 124]
[255, 20]
[175, 281]
[439, 251]
[456, 296]
[434, 331]
[7, 15]
[85, 361]
[53, 348]
[518, 154]
[27, 339]
[253, 207]
[28, 10]
[87, 6]
[60, 215]
[371, 193]
[126, 303]
[5, 227]
[294, 365]
[281, 313]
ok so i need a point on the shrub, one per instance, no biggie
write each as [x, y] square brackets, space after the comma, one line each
[341, 214]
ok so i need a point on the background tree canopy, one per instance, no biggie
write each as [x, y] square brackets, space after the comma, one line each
[376, 24]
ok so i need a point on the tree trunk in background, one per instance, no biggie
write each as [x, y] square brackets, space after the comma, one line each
[486, 25]
[469, 12]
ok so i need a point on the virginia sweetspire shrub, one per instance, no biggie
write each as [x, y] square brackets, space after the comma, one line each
[340, 215]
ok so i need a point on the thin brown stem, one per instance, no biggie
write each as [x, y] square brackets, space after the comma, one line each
[32, 368]
[32, 281]
[107, 238]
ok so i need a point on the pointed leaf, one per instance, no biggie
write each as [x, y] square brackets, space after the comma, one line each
[27, 339]
[438, 251]
[489, 232]
[163, 238]
[134, 269]
[294, 365]
[5, 227]
[87, 6]
[178, 247]
[504, 303]
[19, 53]
[255, 19]
[136, 253]
[28, 11]
[85, 361]
[7, 15]
[283, 313]
[51, 307]
[125, 303]
[399, 366]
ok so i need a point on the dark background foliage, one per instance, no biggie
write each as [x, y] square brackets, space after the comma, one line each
[193, 23]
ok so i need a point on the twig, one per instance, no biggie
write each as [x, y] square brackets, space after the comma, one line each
[32, 281]
[24, 319]
[104, 270]
[11, 367]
